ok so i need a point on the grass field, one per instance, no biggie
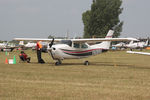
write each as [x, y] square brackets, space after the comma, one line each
[110, 76]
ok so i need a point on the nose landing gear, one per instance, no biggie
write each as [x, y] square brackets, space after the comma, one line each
[58, 62]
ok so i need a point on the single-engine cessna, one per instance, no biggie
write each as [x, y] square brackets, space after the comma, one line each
[77, 48]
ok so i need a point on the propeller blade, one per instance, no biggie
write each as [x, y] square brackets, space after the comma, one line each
[52, 42]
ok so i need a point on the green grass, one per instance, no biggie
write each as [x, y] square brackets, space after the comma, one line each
[110, 76]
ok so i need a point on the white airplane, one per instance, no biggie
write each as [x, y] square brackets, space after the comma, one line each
[30, 45]
[136, 45]
[119, 45]
[21, 43]
[77, 48]
[2, 45]
[142, 53]
[6, 47]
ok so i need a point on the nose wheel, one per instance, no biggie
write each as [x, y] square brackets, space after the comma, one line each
[86, 63]
[58, 62]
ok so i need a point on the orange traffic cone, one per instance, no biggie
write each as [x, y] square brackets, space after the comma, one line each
[6, 61]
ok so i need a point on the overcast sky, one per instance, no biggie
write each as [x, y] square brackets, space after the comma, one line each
[41, 18]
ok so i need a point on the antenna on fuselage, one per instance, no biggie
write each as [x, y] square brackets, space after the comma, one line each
[67, 35]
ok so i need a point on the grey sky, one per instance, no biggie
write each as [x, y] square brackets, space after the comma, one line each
[136, 18]
[40, 18]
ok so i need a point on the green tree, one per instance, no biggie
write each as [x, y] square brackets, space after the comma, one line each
[103, 16]
[50, 37]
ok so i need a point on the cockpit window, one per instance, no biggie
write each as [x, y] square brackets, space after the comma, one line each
[68, 42]
[83, 45]
[76, 45]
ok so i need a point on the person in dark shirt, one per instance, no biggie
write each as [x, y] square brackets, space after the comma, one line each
[24, 57]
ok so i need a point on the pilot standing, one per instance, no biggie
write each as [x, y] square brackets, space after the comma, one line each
[39, 50]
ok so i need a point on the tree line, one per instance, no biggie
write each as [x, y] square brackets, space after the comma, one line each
[103, 16]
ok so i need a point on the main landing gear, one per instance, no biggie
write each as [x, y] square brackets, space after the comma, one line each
[86, 63]
[59, 63]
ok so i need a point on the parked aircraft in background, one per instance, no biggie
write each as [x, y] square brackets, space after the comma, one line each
[21, 43]
[136, 45]
[132, 45]
[5, 46]
[77, 48]
[30, 45]
[119, 45]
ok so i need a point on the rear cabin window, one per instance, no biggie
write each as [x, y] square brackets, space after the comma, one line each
[80, 45]
[76, 45]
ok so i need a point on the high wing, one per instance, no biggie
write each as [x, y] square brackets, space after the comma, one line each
[142, 53]
[36, 39]
[90, 40]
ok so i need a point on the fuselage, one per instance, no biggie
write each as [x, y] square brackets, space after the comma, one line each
[73, 50]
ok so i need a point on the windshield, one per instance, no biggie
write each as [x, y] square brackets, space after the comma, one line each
[68, 42]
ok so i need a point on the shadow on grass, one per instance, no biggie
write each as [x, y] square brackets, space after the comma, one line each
[121, 65]
[104, 64]
[109, 64]
[36, 63]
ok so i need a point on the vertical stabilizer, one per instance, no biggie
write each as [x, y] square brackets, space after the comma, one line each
[109, 34]
[106, 44]
[147, 43]
[21, 43]
[131, 42]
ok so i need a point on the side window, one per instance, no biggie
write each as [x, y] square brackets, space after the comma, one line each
[83, 45]
[76, 45]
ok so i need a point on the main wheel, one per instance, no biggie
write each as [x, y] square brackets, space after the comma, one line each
[86, 63]
[57, 63]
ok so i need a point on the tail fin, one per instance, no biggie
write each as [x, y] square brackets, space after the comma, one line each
[21, 43]
[131, 42]
[106, 44]
[146, 43]
[109, 34]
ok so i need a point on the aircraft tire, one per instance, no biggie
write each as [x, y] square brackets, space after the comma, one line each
[57, 63]
[86, 63]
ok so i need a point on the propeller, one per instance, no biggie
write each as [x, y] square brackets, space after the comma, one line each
[52, 42]
[50, 45]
